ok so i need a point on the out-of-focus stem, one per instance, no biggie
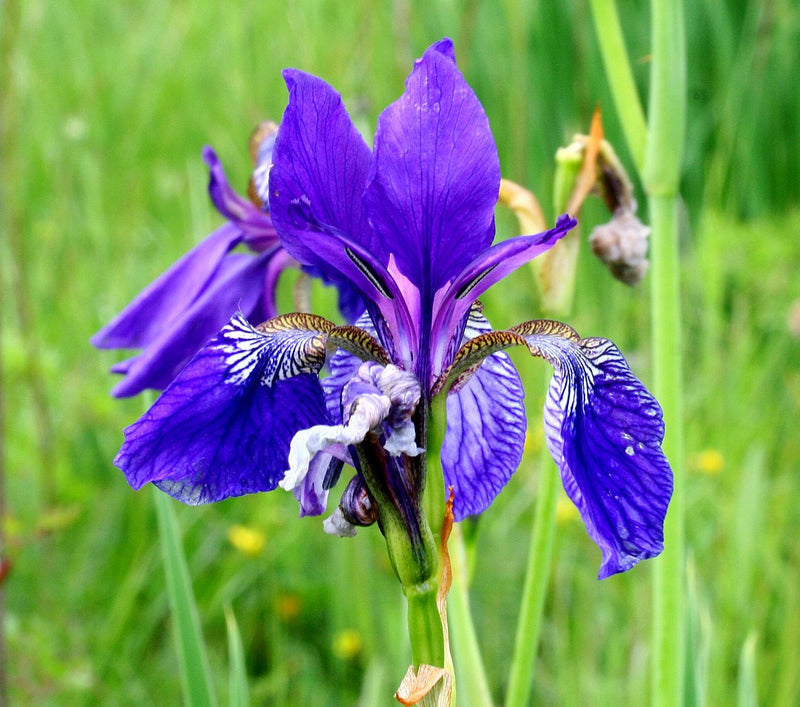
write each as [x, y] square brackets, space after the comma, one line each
[537, 575]
[661, 176]
[474, 684]
[620, 77]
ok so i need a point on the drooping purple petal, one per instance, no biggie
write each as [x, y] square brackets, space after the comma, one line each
[241, 283]
[604, 430]
[224, 426]
[319, 171]
[485, 430]
[255, 224]
[436, 176]
[163, 302]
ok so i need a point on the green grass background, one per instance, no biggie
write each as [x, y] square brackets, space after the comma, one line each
[104, 110]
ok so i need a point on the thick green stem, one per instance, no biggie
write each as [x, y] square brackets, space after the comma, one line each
[537, 576]
[415, 563]
[662, 178]
[412, 550]
[436, 494]
[425, 624]
[668, 578]
[620, 77]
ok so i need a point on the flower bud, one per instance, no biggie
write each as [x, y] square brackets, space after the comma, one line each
[622, 245]
[262, 141]
[356, 509]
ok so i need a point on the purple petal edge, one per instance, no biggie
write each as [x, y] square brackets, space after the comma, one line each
[219, 430]
[604, 430]
[485, 434]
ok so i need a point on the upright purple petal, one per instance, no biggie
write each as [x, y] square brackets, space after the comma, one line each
[160, 304]
[436, 177]
[485, 431]
[224, 426]
[604, 430]
[319, 170]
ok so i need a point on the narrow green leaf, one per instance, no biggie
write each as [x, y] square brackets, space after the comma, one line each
[747, 692]
[194, 669]
[238, 694]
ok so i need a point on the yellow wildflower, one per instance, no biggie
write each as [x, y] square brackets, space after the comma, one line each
[249, 541]
[347, 644]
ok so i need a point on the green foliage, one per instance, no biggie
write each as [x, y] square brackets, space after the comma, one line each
[105, 109]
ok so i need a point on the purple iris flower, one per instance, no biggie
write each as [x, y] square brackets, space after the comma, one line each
[410, 225]
[235, 269]
[180, 311]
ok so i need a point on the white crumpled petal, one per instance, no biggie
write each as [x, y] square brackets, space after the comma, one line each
[369, 411]
[338, 525]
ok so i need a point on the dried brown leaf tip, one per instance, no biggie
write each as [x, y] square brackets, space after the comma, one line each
[428, 687]
[622, 242]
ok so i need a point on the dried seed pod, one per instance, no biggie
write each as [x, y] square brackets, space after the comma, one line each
[622, 245]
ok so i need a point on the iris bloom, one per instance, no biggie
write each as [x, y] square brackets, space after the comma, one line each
[188, 304]
[410, 225]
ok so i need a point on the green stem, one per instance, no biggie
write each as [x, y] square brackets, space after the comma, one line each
[659, 164]
[413, 553]
[662, 178]
[435, 493]
[537, 575]
[668, 577]
[415, 563]
[664, 156]
[425, 624]
[475, 686]
[620, 77]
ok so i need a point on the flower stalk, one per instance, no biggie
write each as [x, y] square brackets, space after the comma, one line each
[661, 178]
[412, 552]
[619, 73]
[657, 149]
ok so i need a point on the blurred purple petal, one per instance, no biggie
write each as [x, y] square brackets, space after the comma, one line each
[163, 302]
[255, 224]
[436, 176]
[241, 283]
[224, 426]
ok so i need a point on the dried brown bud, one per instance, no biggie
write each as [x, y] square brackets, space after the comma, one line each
[622, 245]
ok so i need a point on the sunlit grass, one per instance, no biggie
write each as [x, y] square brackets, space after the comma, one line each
[105, 110]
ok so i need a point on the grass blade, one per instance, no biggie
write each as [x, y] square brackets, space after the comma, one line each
[194, 668]
[238, 694]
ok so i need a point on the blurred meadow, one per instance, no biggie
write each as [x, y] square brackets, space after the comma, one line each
[105, 109]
